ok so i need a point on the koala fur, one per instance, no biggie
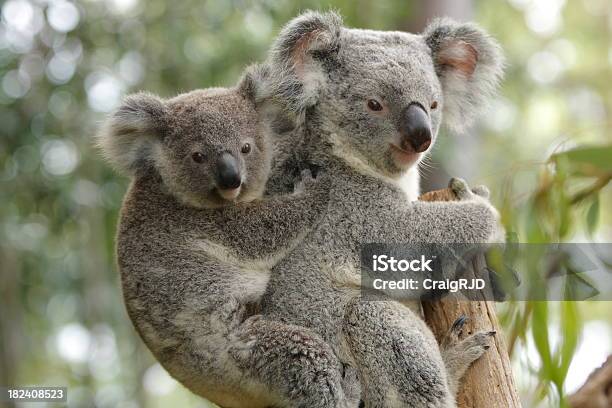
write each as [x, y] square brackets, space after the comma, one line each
[328, 75]
[194, 264]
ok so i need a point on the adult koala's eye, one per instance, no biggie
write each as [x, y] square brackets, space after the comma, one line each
[374, 105]
[434, 105]
[246, 148]
[198, 157]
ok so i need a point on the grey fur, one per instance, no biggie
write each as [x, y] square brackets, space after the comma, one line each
[464, 95]
[459, 353]
[311, 34]
[193, 265]
[327, 73]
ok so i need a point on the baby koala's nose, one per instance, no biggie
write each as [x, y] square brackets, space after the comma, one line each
[415, 129]
[228, 173]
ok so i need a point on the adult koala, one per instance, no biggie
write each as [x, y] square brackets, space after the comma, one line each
[371, 104]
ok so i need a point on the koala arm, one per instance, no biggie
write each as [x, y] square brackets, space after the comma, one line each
[268, 226]
[472, 219]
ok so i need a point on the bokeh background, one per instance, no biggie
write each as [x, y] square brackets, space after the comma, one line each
[64, 65]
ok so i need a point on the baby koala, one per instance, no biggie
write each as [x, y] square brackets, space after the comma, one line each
[196, 243]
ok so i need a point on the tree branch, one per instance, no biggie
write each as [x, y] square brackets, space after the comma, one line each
[597, 390]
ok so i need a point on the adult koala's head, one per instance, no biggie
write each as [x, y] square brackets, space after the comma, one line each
[382, 95]
[209, 146]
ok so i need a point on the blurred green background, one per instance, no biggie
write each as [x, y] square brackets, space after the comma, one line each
[64, 65]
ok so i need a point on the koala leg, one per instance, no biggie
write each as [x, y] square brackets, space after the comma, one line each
[458, 354]
[292, 361]
[397, 357]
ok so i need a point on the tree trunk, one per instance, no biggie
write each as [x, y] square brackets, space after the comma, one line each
[489, 382]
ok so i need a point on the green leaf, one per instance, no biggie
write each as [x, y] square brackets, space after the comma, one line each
[570, 327]
[585, 160]
[565, 218]
[592, 216]
[539, 333]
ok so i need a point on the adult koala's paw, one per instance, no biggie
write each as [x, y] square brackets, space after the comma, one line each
[480, 195]
[459, 351]
[463, 192]
[481, 191]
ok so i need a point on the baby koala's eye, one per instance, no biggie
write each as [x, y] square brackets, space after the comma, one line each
[434, 105]
[197, 157]
[246, 148]
[374, 105]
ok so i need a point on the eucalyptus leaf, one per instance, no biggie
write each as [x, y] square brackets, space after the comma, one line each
[586, 160]
[592, 217]
[540, 336]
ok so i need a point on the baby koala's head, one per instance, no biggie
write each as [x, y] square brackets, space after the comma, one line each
[209, 146]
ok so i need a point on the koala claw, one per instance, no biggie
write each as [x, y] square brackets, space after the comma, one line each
[306, 174]
[462, 353]
[463, 191]
[468, 349]
[458, 324]
[455, 333]
[476, 344]
[241, 355]
[481, 191]
[458, 354]
[306, 180]
[460, 188]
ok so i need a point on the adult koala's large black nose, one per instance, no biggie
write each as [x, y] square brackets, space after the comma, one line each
[415, 128]
[228, 173]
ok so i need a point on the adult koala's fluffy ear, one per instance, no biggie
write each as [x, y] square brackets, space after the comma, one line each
[127, 136]
[296, 56]
[469, 64]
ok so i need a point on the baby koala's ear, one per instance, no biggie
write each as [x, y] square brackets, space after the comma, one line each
[297, 54]
[469, 64]
[127, 136]
[256, 85]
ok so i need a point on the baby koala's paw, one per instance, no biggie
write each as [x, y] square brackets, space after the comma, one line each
[230, 314]
[244, 340]
[305, 182]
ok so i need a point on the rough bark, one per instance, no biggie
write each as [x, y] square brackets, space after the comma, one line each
[489, 382]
